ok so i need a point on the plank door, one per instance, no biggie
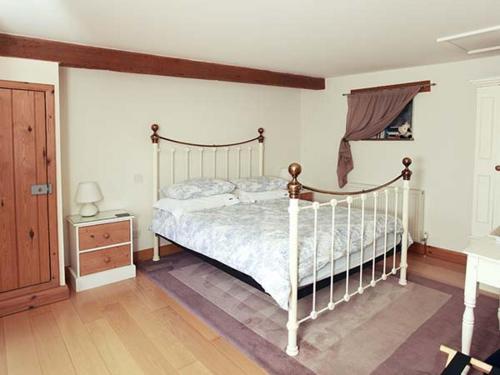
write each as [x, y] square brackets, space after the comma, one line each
[25, 257]
[486, 199]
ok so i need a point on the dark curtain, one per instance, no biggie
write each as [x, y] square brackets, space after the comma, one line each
[367, 115]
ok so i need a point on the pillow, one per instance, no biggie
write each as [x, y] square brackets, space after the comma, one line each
[181, 206]
[197, 188]
[263, 183]
[250, 197]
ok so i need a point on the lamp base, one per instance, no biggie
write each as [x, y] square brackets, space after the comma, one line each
[88, 209]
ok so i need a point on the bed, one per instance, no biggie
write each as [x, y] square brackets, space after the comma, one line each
[253, 239]
[285, 244]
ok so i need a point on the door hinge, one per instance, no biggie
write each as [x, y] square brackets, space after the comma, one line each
[42, 189]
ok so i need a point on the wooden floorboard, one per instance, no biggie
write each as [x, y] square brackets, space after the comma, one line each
[83, 352]
[21, 353]
[133, 327]
[51, 349]
[3, 354]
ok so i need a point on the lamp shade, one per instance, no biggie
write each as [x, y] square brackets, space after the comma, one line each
[88, 192]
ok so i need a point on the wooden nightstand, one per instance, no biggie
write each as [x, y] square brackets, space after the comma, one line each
[101, 249]
[307, 196]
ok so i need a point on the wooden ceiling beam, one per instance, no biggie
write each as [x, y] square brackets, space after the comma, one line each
[87, 57]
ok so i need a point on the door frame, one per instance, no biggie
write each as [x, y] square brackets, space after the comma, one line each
[54, 281]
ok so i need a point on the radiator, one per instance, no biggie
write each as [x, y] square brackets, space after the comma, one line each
[416, 209]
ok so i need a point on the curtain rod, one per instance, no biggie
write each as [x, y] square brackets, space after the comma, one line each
[388, 88]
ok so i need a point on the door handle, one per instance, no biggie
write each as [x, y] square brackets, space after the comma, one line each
[497, 168]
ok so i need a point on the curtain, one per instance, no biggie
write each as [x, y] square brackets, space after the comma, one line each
[368, 114]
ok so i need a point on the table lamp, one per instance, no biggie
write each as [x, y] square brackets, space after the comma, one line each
[87, 194]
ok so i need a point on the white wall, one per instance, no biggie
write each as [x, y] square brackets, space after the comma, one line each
[443, 150]
[35, 71]
[106, 121]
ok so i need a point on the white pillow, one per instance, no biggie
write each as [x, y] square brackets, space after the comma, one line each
[250, 197]
[181, 206]
[197, 188]
[262, 183]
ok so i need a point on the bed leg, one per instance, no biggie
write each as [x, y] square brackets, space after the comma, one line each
[293, 211]
[155, 139]
[156, 248]
[292, 325]
[404, 241]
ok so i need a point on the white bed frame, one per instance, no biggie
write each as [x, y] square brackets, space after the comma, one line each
[193, 152]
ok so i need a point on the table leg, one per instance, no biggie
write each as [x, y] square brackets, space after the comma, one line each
[470, 303]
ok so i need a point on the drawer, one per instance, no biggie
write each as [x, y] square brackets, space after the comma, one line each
[104, 234]
[106, 259]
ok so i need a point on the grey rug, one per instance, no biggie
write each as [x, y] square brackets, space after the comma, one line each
[388, 330]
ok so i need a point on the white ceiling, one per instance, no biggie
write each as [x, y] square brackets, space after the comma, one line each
[315, 37]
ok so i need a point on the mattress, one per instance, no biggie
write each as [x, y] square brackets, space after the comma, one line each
[253, 239]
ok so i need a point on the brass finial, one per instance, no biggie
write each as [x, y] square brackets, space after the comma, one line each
[155, 137]
[406, 172]
[261, 135]
[294, 185]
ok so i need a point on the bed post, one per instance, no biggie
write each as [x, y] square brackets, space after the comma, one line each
[293, 191]
[404, 241]
[155, 139]
[261, 151]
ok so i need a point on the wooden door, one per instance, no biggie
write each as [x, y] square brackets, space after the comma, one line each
[486, 199]
[27, 242]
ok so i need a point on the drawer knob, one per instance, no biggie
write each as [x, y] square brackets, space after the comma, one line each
[92, 236]
[106, 235]
[107, 259]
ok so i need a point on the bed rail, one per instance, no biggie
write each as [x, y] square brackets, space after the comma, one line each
[386, 190]
[198, 152]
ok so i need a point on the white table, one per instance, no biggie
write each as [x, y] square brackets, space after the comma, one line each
[483, 266]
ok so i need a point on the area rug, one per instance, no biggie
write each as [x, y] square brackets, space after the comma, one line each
[388, 330]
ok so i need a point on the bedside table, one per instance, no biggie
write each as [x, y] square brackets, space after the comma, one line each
[101, 249]
[307, 196]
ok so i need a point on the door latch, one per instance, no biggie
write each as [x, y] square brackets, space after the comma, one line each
[42, 189]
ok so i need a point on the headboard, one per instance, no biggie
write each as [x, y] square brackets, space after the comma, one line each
[190, 160]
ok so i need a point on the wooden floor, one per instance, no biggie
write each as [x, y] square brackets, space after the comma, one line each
[132, 327]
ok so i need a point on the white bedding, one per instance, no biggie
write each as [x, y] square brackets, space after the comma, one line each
[253, 238]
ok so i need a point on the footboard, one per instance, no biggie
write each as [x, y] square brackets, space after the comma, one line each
[379, 198]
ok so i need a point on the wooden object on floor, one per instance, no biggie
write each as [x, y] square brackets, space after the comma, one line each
[29, 254]
[475, 363]
[147, 254]
[80, 56]
[101, 249]
[483, 266]
[130, 327]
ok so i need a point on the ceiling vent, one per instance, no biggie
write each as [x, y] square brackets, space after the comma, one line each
[477, 41]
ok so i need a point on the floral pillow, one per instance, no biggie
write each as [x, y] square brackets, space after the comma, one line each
[263, 183]
[197, 188]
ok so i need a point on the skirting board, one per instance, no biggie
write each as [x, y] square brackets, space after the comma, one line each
[33, 300]
[147, 254]
[439, 253]
[100, 278]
